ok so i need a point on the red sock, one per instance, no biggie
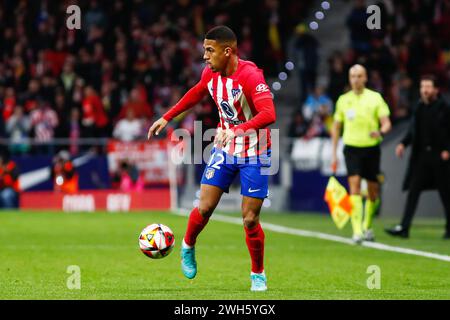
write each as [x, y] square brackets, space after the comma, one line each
[255, 243]
[196, 223]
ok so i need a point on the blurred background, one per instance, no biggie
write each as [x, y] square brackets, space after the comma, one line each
[76, 104]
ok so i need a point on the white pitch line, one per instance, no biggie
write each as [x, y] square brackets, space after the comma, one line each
[326, 236]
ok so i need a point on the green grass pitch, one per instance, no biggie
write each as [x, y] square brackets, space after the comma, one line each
[37, 247]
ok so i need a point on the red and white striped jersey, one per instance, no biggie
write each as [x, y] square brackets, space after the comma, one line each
[235, 97]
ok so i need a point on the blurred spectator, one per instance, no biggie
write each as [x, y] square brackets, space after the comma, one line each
[207, 114]
[62, 111]
[306, 59]
[9, 103]
[9, 184]
[402, 95]
[128, 178]
[94, 119]
[31, 96]
[188, 122]
[357, 23]
[64, 175]
[95, 16]
[299, 126]
[43, 123]
[67, 78]
[48, 88]
[337, 77]
[138, 104]
[129, 129]
[18, 128]
[74, 128]
[315, 101]
[321, 124]
[381, 60]
[376, 81]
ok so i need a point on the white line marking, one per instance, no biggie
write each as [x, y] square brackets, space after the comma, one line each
[326, 236]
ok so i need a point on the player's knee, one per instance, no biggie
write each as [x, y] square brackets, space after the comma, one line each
[251, 219]
[206, 209]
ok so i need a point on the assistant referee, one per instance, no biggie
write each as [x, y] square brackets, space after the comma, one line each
[364, 116]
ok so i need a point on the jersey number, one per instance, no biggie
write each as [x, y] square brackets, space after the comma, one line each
[216, 164]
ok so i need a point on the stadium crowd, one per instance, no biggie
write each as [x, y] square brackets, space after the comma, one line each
[129, 62]
[413, 41]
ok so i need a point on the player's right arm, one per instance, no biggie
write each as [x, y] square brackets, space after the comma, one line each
[190, 99]
[335, 134]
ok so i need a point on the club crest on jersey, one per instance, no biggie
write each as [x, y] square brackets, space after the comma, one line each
[209, 173]
[235, 92]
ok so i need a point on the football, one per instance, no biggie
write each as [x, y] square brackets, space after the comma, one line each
[156, 241]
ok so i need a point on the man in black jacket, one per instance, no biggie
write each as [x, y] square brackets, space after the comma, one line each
[429, 166]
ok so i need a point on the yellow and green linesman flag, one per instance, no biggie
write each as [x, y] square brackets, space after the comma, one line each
[338, 201]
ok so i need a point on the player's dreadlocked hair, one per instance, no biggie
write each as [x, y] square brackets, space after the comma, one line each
[221, 34]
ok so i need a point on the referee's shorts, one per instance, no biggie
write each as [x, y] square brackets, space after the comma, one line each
[364, 162]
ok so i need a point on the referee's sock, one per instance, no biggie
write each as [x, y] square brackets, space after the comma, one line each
[357, 214]
[369, 212]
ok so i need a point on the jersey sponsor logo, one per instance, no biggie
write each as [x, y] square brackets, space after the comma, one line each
[235, 122]
[209, 173]
[260, 88]
[227, 109]
[235, 92]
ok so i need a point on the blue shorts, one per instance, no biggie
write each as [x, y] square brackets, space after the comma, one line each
[222, 168]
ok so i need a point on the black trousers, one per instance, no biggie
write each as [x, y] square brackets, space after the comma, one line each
[429, 167]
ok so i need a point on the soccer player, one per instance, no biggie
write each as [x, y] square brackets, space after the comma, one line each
[365, 117]
[242, 145]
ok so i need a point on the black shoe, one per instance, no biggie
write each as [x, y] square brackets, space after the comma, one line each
[398, 231]
[446, 235]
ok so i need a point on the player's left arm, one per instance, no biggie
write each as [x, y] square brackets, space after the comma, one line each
[266, 116]
[256, 90]
[383, 114]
